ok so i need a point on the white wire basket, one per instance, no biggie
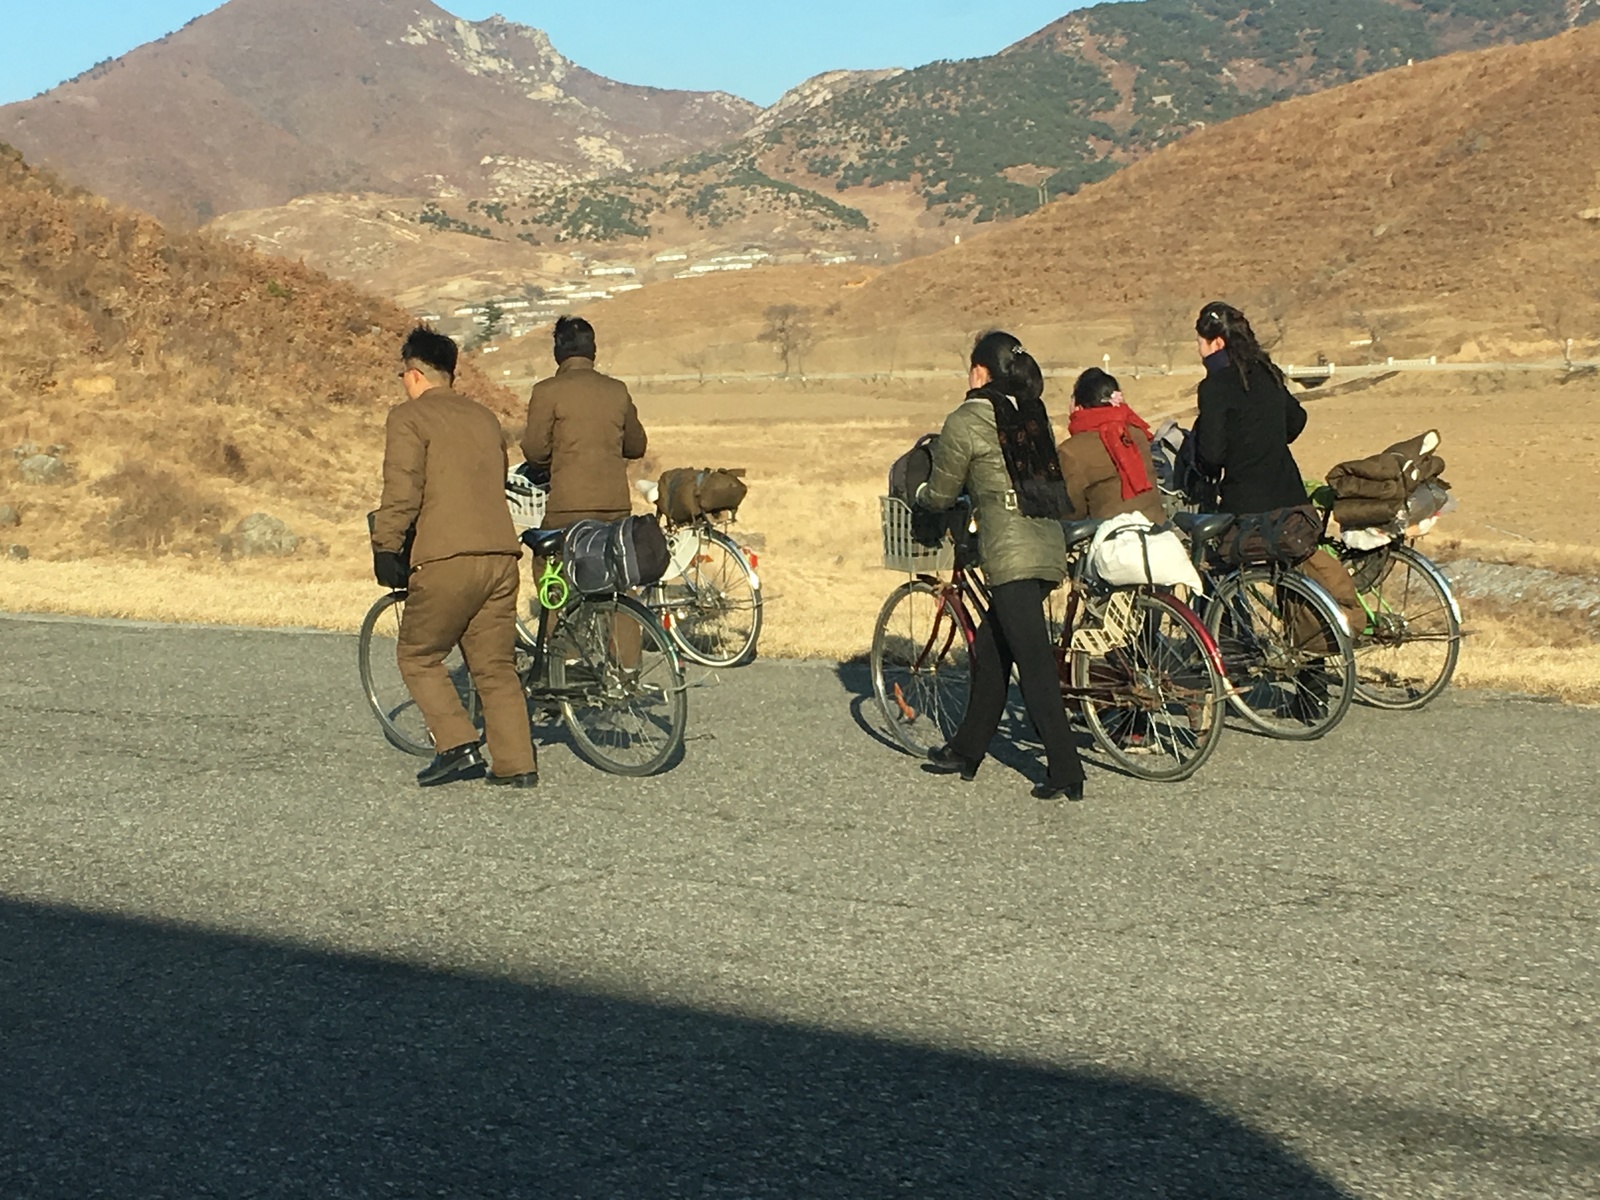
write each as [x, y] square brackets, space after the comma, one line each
[526, 501]
[902, 552]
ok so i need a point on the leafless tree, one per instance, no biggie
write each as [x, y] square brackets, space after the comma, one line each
[697, 360]
[1378, 325]
[1272, 312]
[789, 333]
[1558, 316]
[1163, 325]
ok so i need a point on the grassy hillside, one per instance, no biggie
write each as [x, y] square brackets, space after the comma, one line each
[189, 381]
[1464, 188]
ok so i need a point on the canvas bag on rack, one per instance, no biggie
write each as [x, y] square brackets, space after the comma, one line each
[1128, 550]
[600, 557]
[685, 493]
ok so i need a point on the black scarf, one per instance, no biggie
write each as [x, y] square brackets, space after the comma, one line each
[1029, 446]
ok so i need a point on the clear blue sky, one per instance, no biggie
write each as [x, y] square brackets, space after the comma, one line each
[753, 48]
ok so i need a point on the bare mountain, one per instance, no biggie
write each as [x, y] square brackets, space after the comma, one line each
[264, 100]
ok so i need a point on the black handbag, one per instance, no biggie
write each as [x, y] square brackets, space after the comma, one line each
[1285, 535]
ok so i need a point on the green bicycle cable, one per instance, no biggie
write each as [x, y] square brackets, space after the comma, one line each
[552, 585]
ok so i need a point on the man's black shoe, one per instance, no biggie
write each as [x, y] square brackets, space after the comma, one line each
[527, 779]
[1072, 791]
[944, 761]
[460, 762]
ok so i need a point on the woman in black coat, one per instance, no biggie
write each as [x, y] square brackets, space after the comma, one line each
[1248, 418]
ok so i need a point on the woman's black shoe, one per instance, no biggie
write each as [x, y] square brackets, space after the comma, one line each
[944, 761]
[1045, 791]
[459, 762]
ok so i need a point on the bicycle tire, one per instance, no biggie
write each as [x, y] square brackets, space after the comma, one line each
[698, 621]
[640, 708]
[1382, 679]
[386, 693]
[1296, 686]
[1171, 674]
[921, 662]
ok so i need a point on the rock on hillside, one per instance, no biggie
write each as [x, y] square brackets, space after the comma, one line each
[1456, 183]
[817, 90]
[180, 373]
[264, 100]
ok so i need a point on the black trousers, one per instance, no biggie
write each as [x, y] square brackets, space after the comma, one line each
[1015, 634]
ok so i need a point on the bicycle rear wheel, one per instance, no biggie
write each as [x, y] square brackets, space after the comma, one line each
[1159, 697]
[712, 609]
[1408, 655]
[1285, 652]
[625, 708]
[921, 666]
[386, 692]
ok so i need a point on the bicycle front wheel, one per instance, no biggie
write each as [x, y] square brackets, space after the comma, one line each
[1155, 702]
[712, 609]
[1408, 654]
[386, 692]
[625, 708]
[1285, 651]
[921, 666]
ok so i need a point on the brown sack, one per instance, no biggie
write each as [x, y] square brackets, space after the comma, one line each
[677, 500]
[689, 492]
[721, 491]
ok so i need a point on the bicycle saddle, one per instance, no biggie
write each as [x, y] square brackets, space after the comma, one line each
[1203, 527]
[1080, 531]
[543, 542]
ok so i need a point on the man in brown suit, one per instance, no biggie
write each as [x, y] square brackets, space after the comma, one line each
[444, 468]
[582, 427]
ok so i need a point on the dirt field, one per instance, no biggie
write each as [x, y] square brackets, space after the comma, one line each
[816, 461]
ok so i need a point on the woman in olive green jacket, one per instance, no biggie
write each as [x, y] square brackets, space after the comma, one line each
[999, 449]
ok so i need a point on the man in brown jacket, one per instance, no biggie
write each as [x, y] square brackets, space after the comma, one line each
[582, 427]
[444, 468]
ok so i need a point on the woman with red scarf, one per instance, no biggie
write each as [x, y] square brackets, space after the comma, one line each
[1106, 457]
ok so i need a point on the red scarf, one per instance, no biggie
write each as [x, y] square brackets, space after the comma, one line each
[1112, 422]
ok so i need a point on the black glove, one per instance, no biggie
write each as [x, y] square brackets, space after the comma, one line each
[390, 569]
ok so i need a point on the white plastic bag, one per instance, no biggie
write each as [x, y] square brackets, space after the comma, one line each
[1128, 550]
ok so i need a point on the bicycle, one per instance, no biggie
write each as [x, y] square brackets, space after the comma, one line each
[709, 600]
[601, 662]
[1407, 653]
[1141, 668]
[1284, 642]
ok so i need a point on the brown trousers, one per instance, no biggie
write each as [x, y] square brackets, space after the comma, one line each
[1324, 569]
[470, 600]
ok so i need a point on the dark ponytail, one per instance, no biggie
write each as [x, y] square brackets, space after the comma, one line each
[1220, 320]
[1011, 368]
[1022, 426]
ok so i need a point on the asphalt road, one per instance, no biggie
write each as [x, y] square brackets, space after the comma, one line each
[241, 955]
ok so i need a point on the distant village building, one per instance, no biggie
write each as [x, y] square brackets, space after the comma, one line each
[672, 256]
[612, 269]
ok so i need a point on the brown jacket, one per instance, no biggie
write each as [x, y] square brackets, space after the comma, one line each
[444, 468]
[1093, 482]
[584, 427]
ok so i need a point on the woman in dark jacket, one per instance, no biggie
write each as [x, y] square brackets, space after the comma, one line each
[1248, 418]
[998, 448]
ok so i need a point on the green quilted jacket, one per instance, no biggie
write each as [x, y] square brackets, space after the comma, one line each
[968, 458]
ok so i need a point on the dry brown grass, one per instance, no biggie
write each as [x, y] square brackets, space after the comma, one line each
[816, 462]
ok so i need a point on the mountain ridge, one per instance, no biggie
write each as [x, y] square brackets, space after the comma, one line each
[263, 100]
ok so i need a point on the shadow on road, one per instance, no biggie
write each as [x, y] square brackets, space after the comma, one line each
[144, 1060]
[1016, 745]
